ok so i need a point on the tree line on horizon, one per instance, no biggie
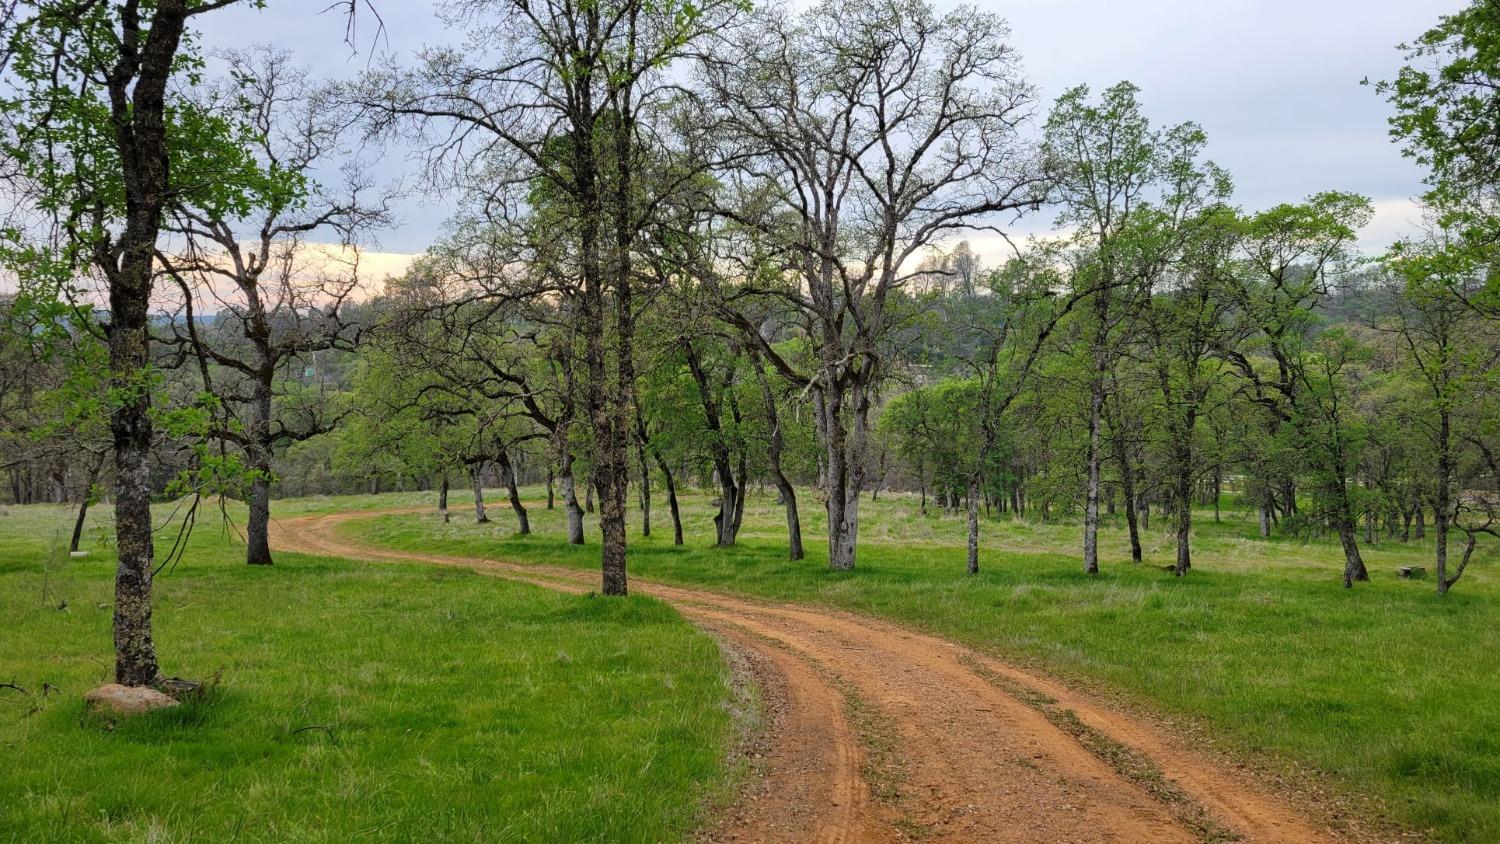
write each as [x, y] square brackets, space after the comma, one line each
[708, 245]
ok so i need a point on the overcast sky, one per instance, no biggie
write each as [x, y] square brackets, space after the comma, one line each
[1275, 83]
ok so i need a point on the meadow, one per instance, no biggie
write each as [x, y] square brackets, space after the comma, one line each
[385, 702]
[350, 702]
[1384, 699]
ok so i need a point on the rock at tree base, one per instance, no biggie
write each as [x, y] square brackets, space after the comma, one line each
[115, 699]
[1412, 572]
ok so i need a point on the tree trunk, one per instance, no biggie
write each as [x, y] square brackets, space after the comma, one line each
[257, 528]
[738, 518]
[789, 503]
[1421, 523]
[1091, 502]
[612, 493]
[137, 114]
[551, 497]
[509, 471]
[724, 524]
[83, 513]
[1184, 519]
[725, 529]
[476, 472]
[671, 484]
[1264, 512]
[845, 450]
[84, 501]
[1443, 502]
[973, 524]
[570, 502]
[135, 652]
[922, 486]
[1127, 492]
[443, 498]
[775, 446]
[1354, 565]
[645, 487]
[1218, 490]
[258, 525]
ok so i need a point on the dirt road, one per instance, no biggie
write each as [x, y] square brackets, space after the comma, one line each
[883, 734]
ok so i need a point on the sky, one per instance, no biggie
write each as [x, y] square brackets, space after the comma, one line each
[1274, 83]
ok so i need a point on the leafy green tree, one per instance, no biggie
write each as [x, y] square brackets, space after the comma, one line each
[1447, 118]
[1185, 331]
[1452, 355]
[101, 143]
[1293, 254]
[1111, 169]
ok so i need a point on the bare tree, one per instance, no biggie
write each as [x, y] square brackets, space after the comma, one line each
[860, 134]
[280, 297]
[549, 107]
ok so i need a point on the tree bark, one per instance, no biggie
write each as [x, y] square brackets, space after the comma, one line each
[1443, 502]
[973, 524]
[1218, 490]
[645, 487]
[725, 528]
[257, 528]
[83, 503]
[774, 450]
[1127, 492]
[1091, 502]
[609, 403]
[570, 502]
[671, 484]
[443, 498]
[508, 470]
[1184, 518]
[83, 514]
[137, 91]
[1354, 565]
[476, 473]
[844, 446]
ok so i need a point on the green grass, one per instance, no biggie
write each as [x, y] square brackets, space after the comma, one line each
[356, 702]
[1386, 690]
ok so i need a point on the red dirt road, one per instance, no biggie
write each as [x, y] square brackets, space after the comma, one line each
[879, 733]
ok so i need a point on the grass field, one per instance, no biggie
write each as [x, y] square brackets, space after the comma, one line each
[355, 703]
[1387, 689]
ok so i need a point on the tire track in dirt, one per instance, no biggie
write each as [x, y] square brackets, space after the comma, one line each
[979, 759]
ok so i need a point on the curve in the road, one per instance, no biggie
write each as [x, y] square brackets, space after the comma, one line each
[884, 734]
